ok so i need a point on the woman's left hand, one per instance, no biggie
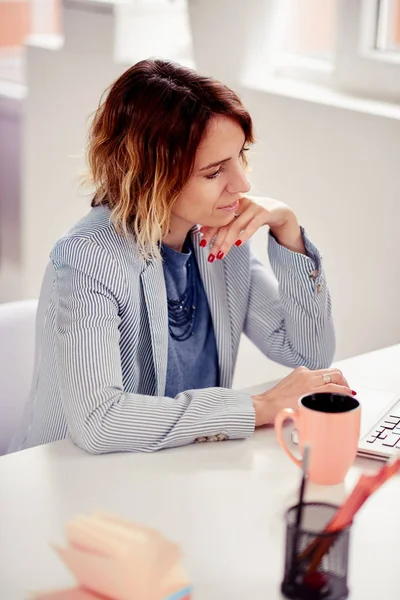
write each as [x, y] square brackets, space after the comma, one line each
[252, 215]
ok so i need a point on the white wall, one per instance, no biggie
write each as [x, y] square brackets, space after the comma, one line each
[338, 168]
[65, 80]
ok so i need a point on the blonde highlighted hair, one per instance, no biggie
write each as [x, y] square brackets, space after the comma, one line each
[143, 142]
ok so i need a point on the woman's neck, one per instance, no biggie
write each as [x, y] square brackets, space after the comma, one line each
[175, 238]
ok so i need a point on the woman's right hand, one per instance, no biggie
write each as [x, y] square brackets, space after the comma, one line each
[288, 391]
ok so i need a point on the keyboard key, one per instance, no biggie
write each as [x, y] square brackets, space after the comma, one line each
[392, 441]
[389, 424]
[378, 431]
[379, 435]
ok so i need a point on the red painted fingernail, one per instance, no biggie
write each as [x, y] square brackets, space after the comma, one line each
[238, 242]
[201, 229]
[354, 393]
[203, 243]
[220, 255]
[211, 258]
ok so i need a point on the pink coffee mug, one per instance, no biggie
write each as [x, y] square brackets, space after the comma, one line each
[330, 424]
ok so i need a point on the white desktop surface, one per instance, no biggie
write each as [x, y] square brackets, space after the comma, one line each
[222, 502]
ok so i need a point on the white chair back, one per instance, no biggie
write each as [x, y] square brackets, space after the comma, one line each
[17, 345]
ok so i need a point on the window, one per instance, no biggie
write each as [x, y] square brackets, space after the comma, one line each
[350, 44]
[19, 19]
[309, 29]
[388, 26]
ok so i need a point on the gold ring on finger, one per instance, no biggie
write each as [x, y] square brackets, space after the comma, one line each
[327, 378]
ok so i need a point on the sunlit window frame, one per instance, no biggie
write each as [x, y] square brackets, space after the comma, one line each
[356, 66]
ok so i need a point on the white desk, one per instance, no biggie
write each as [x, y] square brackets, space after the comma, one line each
[222, 502]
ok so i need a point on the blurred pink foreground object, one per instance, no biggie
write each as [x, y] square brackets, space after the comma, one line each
[115, 559]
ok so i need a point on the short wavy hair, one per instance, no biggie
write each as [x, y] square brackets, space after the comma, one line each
[143, 141]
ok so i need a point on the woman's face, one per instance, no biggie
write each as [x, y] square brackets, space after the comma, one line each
[211, 195]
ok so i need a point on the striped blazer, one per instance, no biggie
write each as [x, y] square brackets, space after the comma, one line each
[102, 340]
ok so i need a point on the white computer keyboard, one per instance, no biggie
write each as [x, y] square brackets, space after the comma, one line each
[387, 432]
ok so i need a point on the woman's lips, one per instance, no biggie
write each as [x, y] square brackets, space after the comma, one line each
[230, 207]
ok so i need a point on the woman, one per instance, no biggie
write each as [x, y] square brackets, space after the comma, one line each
[141, 311]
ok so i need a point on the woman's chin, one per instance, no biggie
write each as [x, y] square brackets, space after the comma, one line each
[225, 218]
[218, 221]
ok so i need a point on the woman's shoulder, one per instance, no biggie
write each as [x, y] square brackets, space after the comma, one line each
[94, 242]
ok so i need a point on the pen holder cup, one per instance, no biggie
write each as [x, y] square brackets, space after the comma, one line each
[316, 562]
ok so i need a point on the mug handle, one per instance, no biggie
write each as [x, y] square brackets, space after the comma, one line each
[281, 417]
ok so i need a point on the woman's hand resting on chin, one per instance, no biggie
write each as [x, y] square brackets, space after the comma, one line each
[288, 391]
[252, 213]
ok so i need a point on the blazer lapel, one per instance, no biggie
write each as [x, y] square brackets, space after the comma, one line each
[213, 277]
[155, 294]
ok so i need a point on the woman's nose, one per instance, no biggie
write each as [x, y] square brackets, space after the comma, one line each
[239, 184]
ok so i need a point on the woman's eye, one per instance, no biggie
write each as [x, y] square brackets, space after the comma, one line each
[214, 175]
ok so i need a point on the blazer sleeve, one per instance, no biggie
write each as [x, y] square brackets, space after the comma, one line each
[289, 316]
[101, 416]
